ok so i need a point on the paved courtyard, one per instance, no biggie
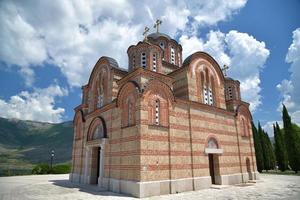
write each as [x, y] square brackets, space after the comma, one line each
[58, 187]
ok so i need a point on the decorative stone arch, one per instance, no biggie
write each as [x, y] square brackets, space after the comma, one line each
[212, 145]
[206, 71]
[200, 58]
[97, 126]
[127, 102]
[103, 62]
[159, 87]
[78, 124]
[158, 91]
[244, 117]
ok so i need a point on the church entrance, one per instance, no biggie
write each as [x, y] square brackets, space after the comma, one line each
[211, 168]
[213, 151]
[95, 165]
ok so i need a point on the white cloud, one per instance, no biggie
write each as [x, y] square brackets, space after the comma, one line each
[38, 105]
[268, 127]
[211, 12]
[242, 52]
[74, 34]
[290, 89]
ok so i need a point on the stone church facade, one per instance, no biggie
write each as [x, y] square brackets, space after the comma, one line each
[164, 126]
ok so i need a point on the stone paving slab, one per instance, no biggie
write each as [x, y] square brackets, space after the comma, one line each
[56, 187]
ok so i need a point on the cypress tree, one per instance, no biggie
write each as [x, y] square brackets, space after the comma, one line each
[270, 151]
[292, 141]
[264, 145]
[280, 149]
[258, 149]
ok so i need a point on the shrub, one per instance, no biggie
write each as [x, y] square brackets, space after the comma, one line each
[41, 169]
[61, 169]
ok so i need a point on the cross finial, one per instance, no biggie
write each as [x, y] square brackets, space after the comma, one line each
[224, 69]
[146, 30]
[157, 24]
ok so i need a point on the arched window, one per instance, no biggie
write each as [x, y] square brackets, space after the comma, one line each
[157, 111]
[207, 88]
[173, 55]
[130, 112]
[245, 130]
[100, 100]
[143, 60]
[229, 90]
[133, 61]
[154, 62]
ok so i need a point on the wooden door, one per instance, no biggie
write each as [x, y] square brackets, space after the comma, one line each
[211, 168]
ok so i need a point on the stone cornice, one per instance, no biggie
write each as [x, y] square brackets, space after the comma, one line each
[205, 107]
[146, 72]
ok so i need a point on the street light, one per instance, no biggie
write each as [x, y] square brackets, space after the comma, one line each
[52, 155]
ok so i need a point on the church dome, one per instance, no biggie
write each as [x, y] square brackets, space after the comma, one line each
[157, 35]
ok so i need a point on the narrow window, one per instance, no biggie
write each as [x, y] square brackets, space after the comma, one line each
[157, 112]
[129, 113]
[133, 61]
[210, 97]
[230, 92]
[244, 128]
[205, 95]
[100, 98]
[143, 60]
[172, 55]
[154, 62]
[179, 59]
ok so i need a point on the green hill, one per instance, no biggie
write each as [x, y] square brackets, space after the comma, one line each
[25, 143]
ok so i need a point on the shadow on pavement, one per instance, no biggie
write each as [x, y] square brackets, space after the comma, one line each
[91, 189]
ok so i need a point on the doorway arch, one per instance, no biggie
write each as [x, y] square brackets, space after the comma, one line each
[95, 148]
[213, 152]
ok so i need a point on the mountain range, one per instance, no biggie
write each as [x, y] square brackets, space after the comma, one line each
[26, 143]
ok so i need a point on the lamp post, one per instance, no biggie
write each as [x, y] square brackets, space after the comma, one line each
[52, 155]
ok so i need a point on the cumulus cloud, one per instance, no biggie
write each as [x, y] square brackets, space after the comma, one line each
[72, 35]
[38, 105]
[244, 54]
[290, 89]
[268, 127]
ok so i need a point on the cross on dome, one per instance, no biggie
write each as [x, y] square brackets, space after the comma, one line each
[146, 30]
[157, 24]
[224, 69]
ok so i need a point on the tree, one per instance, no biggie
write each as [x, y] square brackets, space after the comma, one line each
[280, 148]
[258, 149]
[270, 151]
[292, 140]
[264, 145]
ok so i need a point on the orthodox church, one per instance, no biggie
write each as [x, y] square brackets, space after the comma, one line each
[165, 125]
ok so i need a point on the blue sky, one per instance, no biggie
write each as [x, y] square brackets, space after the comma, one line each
[49, 49]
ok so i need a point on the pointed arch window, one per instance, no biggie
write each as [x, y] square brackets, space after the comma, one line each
[154, 62]
[100, 99]
[130, 113]
[143, 60]
[245, 127]
[207, 88]
[173, 55]
[157, 111]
